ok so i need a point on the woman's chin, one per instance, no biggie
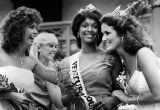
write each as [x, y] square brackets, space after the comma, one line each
[108, 49]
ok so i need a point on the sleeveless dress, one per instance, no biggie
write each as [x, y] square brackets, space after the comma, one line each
[20, 77]
[97, 78]
[38, 93]
[138, 86]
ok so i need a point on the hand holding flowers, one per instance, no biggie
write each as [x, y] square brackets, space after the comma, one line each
[10, 92]
[63, 75]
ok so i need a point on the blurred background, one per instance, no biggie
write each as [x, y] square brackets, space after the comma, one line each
[58, 14]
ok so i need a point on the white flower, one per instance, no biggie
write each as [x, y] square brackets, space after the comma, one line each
[127, 107]
[88, 8]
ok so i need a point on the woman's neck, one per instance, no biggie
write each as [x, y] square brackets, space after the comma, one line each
[20, 53]
[130, 62]
[86, 49]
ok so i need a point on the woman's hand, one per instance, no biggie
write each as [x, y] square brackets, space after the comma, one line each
[121, 95]
[21, 100]
[69, 88]
[107, 103]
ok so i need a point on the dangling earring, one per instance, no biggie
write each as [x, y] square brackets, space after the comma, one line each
[122, 39]
[39, 52]
[78, 35]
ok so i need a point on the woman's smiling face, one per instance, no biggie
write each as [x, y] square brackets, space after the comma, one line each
[49, 49]
[30, 32]
[111, 41]
[88, 31]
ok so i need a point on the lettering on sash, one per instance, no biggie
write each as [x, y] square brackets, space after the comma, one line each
[77, 80]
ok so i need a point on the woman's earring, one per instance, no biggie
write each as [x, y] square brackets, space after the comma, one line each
[122, 39]
[40, 53]
[78, 35]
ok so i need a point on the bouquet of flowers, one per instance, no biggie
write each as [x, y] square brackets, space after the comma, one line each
[121, 80]
[5, 86]
[127, 107]
[63, 75]
[71, 81]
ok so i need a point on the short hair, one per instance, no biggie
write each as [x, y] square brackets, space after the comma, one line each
[80, 17]
[41, 39]
[132, 31]
[12, 26]
[44, 38]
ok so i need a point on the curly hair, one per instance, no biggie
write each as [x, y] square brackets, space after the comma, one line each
[132, 31]
[80, 17]
[12, 27]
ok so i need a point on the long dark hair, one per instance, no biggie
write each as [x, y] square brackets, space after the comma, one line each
[129, 27]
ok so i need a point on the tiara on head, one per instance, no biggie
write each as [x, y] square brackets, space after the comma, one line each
[118, 12]
[88, 8]
[137, 8]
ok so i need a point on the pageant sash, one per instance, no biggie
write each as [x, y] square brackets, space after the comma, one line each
[77, 80]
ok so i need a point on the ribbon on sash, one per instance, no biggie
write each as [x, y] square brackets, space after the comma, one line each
[76, 78]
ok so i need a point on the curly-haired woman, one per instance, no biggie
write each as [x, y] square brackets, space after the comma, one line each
[18, 30]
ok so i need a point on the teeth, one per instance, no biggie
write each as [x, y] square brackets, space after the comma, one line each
[31, 37]
[107, 42]
[89, 35]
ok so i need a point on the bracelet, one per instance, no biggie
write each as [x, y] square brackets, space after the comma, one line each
[138, 99]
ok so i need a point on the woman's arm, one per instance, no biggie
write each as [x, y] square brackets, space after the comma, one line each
[40, 70]
[148, 65]
[55, 95]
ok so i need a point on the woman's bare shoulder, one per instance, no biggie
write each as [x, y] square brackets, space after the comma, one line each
[145, 51]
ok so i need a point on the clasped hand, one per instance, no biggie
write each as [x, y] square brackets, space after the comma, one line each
[123, 97]
[107, 103]
[21, 99]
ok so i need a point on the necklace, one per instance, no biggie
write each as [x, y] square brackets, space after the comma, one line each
[21, 59]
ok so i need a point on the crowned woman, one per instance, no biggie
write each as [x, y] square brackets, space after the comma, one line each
[92, 70]
[140, 79]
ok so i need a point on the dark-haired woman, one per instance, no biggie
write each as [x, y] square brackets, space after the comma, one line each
[123, 33]
[17, 32]
[97, 69]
